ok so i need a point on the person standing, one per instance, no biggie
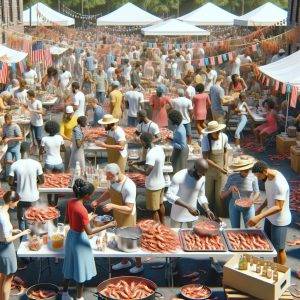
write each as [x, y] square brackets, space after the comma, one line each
[30, 75]
[11, 135]
[79, 264]
[111, 75]
[214, 147]
[8, 258]
[116, 100]
[179, 142]
[277, 215]
[90, 63]
[135, 75]
[217, 95]
[36, 117]
[241, 184]
[155, 182]
[122, 193]
[115, 143]
[185, 107]
[25, 175]
[64, 79]
[211, 78]
[78, 100]
[101, 83]
[133, 100]
[77, 148]
[98, 111]
[127, 72]
[186, 191]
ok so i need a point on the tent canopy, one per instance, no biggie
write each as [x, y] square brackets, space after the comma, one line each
[286, 70]
[40, 12]
[209, 14]
[128, 15]
[265, 15]
[10, 55]
[174, 27]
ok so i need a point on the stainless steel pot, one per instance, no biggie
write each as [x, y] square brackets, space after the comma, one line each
[43, 286]
[128, 238]
[129, 279]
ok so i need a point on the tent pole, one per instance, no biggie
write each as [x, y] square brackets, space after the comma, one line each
[287, 111]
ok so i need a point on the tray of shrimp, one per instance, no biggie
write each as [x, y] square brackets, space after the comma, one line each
[193, 242]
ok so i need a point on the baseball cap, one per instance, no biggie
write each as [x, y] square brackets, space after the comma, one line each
[69, 109]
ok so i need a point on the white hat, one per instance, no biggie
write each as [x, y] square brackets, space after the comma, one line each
[213, 126]
[281, 51]
[108, 119]
[113, 168]
[69, 109]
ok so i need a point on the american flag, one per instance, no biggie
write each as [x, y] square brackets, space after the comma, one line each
[3, 72]
[37, 53]
[21, 67]
[27, 45]
[47, 57]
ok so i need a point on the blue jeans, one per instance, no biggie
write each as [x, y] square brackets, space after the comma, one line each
[188, 129]
[132, 121]
[241, 126]
[101, 96]
[37, 132]
[235, 213]
[54, 168]
[12, 154]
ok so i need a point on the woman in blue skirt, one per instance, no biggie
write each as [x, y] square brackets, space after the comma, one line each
[79, 263]
[8, 258]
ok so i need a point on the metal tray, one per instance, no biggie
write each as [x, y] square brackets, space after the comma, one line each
[184, 248]
[254, 231]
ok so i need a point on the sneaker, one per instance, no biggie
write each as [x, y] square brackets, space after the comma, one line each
[136, 270]
[66, 296]
[121, 266]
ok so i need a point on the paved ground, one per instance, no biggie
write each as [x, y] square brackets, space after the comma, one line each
[185, 266]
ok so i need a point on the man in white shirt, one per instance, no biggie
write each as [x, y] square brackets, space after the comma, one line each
[185, 107]
[111, 73]
[25, 175]
[36, 117]
[78, 100]
[64, 78]
[30, 75]
[277, 214]
[235, 65]
[152, 167]
[127, 72]
[187, 189]
[211, 78]
[133, 100]
[190, 91]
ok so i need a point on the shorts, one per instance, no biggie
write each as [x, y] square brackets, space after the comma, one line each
[54, 168]
[37, 132]
[154, 199]
[276, 234]
[188, 129]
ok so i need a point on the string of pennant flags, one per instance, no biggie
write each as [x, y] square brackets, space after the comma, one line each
[72, 13]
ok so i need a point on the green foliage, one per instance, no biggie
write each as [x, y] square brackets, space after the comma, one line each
[159, 7]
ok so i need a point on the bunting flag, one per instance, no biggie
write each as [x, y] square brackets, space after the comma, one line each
[283, 88]
[254, 47]
[201, 63]
[212, 60]
[276, 85]
[47, 57]
[37, 53]
[230, 56]
[220, 60]
[267, 81]
[206, 61]
[3, 72]
[294, 96]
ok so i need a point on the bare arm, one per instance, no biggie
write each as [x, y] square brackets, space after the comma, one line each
[91, 231]
[213, 164]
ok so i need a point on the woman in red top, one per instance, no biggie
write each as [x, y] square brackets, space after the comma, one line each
[79, 263]
[160, 105]
[237, 84]
[201, 104]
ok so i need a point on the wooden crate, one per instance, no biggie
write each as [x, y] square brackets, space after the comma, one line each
[254, 284]
[232, 294]
[284, 143]
[295, 158]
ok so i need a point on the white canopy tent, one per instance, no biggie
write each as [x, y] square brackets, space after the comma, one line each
[128, 15]
[174, 27]
[43, 15]
[10, 55]
[286, 70]
[265, 15]
[209, 14]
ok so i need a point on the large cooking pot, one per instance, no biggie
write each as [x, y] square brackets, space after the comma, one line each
[128, 238]
[129, 279]
[43, 286]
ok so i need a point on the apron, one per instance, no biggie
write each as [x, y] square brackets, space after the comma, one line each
[214, 182]
[123, 220]
[114, 156]
[179, 159]
[77, 154]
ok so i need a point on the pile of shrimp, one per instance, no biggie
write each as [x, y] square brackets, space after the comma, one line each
[158, 237]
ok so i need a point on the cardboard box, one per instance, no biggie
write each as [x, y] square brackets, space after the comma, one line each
[254, 284]
[283, 144]
[295, 158]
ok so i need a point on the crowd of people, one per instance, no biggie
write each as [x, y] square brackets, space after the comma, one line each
[148, 90]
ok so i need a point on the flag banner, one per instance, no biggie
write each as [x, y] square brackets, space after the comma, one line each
[294, 96]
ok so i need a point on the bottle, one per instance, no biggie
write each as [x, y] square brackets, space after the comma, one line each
[275, 274]
[241, 262]
[264, 270]
[269, 272]
[245, 262]
[258, 267]
[251, 263]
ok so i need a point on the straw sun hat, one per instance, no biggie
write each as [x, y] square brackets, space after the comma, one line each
[242, 163]
[108, 119]
[213, 126]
